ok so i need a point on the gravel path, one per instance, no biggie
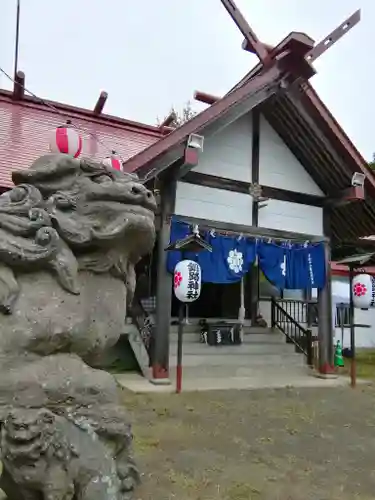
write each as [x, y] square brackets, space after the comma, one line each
[290, 444]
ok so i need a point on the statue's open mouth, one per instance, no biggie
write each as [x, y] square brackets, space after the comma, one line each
[125, 194]
[139, 210]
[105, 212]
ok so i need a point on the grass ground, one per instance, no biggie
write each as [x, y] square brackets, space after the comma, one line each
[287, 444]
[365, 361]
[316, 444]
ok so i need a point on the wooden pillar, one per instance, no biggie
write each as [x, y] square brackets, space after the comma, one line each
[254, 283]
[330, 346]
[325, 325]
[160, 362]
[254, 273]
[308, 305]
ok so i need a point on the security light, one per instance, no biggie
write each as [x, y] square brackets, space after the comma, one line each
[358, 180]
[195, 141]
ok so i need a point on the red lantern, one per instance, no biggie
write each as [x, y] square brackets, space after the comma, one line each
[66, 140]
[113, 161]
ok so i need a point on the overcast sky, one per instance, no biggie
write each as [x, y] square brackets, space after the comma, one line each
[150, 54]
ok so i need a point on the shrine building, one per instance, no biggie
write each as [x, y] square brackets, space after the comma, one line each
[265, 164]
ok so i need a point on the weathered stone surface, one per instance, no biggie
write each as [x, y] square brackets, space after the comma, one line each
[56, 457]
[70, 235]
[65, 386]
[49, 320]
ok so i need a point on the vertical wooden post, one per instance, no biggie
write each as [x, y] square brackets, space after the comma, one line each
[353, 365]
[325, 327]
[160, 365]
[254, 283]
[254, 273]
[309, 349]
[327, 233]
[308, 305]
[181, 309]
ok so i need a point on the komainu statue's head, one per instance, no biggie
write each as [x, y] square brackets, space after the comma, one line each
[69, 215]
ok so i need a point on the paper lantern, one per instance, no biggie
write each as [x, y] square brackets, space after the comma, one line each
[66, 140]
[113, 161]
[363, 291]
[187, 281]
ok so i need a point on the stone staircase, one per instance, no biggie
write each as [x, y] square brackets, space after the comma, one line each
[263, 352]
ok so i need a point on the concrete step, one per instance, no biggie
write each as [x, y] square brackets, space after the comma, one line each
[210, 320]
[294, 370]
[194, 328]
[260, 377]
[267, 336]
[237, 360]
[246, 349]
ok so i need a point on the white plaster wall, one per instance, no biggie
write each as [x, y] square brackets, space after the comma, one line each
[364, 337]
[278, 167]
[265, 311]
[286, 216]
[213, 204]
[228, 153]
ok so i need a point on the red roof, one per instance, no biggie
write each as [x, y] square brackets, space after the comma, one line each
[25, 127]
[343, 270]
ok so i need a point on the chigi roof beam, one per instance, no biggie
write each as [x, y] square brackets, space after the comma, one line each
[251, 38]
[100, 103]
[168, 120]
[294, 42]
[323, 45]
[205, 98]
[19, 86]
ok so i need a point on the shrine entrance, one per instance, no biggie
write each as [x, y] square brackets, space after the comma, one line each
[218, 301]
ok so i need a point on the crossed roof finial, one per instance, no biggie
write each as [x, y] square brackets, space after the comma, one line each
[267, 53]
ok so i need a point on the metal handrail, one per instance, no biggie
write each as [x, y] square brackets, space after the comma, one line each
[145, 325]
[296, 334]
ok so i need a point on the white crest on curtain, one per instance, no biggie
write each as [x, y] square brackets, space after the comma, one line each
[235, 261]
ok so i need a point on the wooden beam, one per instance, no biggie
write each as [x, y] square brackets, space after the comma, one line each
[292, 196]
[325, 331]
[259, 49]
[160, 361]
[168, 120]
[255, 160]
[346, 196]
[100, 103]
[318, 48]
[205, 98]
[167, 130]
[160, 155]
[215, 182]
[19, 86]
[249, 48]
[296, 42]
[191, 158]
[255, 232]
[255, 171]
[334, 36]
[297, 101]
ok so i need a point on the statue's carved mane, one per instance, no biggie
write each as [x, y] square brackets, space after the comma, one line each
[65, 215]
